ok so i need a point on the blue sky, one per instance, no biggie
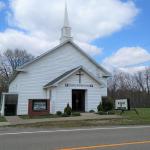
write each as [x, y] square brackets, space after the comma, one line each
[136, 34]
[3, 13]
[123, 43]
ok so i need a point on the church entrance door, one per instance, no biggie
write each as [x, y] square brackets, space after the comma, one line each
[78, 100]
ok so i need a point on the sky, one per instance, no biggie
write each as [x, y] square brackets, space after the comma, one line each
[114, 32]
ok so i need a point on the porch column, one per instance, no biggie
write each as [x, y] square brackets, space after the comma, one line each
[3, 105]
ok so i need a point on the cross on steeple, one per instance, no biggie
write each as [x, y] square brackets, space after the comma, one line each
[80, 75]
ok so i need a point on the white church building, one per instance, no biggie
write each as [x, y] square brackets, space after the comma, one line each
[65, 74]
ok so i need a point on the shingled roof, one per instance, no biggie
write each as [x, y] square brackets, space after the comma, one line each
[60, 77]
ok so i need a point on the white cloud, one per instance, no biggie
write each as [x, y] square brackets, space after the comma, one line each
[11, 39]
[2, 5]
[133, 70]
[128, 59]
[42, 21]
[128, 56]
[90, 19]
[88, 48]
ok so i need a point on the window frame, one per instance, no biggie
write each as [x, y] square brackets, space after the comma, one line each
[35, 101]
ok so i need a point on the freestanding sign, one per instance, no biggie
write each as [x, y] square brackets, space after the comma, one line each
[122, 104]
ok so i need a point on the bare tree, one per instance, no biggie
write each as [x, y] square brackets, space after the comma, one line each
[139, 77]
[136, 87]
[147, 80]
[9, 61]
[17, 58]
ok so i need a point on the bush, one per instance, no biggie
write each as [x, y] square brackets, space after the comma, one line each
[76, 114]
[58, 113]
[91, 111]
[105, 106]
[100, 107]
[68, 110]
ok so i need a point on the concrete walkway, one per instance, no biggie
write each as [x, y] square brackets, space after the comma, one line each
[15, 120]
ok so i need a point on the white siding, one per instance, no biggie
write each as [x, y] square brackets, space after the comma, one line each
[64, 94]
[29, 85]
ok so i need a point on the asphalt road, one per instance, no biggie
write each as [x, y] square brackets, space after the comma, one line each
[109, 138]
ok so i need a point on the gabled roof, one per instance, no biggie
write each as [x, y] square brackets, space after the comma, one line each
[106, 73]
[68, 74]
[64, 75]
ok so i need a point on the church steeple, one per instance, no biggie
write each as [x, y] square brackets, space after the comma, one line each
[66, 29]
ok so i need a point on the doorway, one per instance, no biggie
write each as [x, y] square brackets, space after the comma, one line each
[11, 102]
[78, 100]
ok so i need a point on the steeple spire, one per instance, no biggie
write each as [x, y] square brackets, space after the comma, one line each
[66, 29]
[66, 19]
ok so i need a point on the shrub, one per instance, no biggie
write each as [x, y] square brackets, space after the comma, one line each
[91, 111]
[58, 113]
[100, 107]
[76, 114]
[107, 105]
[68, 110]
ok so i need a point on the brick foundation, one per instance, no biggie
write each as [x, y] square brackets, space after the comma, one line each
[32, 112]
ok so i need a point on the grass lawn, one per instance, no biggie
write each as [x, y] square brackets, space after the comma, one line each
[128, 118]
[2, 119]
[142, 117]
[131, 117]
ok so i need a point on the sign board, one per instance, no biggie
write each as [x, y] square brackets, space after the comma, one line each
[78, 85]
[39, 106]
[122, 104]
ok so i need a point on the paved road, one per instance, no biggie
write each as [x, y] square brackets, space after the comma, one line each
[111, 138]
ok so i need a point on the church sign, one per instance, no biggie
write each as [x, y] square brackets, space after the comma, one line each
[39, 105]
[122, 104]
[78, 85]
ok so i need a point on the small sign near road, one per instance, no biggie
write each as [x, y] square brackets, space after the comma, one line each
[122, 104]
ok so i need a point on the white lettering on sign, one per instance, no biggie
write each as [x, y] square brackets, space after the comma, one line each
[78, 85]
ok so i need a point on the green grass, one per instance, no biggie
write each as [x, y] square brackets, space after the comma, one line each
[2, 119]
[132, 118]
[68, 124]
[128, 118]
